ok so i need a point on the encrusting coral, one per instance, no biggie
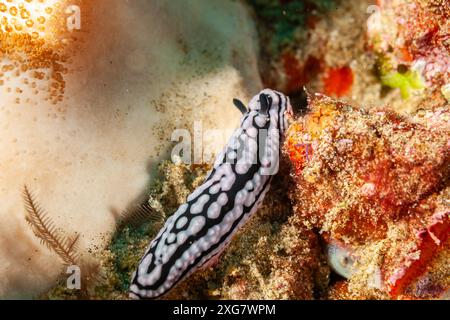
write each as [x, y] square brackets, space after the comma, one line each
[377, 182]
[410, 39]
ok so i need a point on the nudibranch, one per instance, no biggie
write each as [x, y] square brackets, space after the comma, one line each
[196, 234]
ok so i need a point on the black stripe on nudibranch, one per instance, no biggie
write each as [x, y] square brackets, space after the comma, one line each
[239, 184]
[211, 223]
[265, 104]
[205, 224]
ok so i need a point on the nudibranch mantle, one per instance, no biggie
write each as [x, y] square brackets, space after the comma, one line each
[202, 227]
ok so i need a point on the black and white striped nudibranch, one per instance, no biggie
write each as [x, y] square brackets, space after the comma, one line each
[202, 227]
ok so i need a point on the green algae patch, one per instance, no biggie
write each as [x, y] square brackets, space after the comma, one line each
[406, 82]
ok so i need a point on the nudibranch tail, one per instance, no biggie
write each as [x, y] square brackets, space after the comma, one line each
[202, 227]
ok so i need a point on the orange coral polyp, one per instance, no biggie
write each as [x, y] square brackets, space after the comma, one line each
[298, 146]
[302, 134]
[36, 46]
[320, 118]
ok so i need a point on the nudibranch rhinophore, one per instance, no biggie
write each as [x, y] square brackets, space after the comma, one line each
[202, 227]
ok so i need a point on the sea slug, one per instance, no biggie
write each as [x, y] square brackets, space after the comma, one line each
[202, 227]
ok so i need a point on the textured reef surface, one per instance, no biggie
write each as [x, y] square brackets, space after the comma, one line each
[272, 257]
[376, 186]
[367, 198]
[411, 41]
[360, 207]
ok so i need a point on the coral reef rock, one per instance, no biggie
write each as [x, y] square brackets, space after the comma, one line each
[376, 185]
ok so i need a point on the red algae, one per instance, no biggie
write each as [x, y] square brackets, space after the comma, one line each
[430, 240]
[338, 81]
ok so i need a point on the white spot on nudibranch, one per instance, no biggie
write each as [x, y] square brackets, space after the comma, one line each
[261, 121]
[237, 211]
[171, 238]
[257, 179]
[182, 237]
[181, 222]
[145, 263]
[252, 132]
[213, 211]
[182, 209]
[214, 189]
[250, 199]
[197, 207]
[179, 264]
[169, 252]
[232, 155]
[227, 182]
[196, 224]
[240, 197]
[222, 199]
